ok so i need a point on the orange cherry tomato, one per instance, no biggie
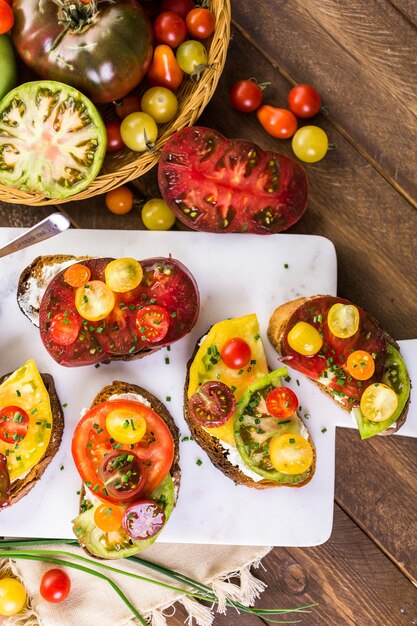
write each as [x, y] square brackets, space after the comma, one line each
[129, 104]
[164, 70]
[108, 517]
[77, 275]
[279, 123]
[119, 201]
[6, 17]
[360, 365]
[200, 23]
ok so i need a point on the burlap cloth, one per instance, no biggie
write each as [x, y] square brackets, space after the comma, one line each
[92, 602]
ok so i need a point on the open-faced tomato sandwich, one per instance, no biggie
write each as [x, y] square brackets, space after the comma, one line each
[125, 448]
[102, 309]
[31, 427]
[240, 413]
[348, 354]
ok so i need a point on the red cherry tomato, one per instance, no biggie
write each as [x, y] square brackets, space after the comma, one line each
[115, 142]
[152, 323]
[281, 402]
[200, 23]
[65, 327]
[14, 423]
[6, 17]
[164, 70]
[278, 123]
[236, 353]
[181, 7]
[129, 104]
[246, 96]
[304, 101]
[55, 585]
[170, 29]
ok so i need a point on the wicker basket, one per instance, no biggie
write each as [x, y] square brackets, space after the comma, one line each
[192, 96]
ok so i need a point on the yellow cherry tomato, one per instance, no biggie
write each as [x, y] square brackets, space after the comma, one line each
[108, 517]
[156, 215]
[139, 131]
[12, 596]
[378, 402]
[305, 339]
[310, 144]
[94, 301]
[343, 320]
[291, 454]
[125, 425]
[360, 365]
[123, 275]
[160, 103]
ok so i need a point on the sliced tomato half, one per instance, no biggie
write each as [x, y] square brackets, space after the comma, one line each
[14, 423]
[91, 443]
[152, 323]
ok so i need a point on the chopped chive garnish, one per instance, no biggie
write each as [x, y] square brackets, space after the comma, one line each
[18, 393]
[324, 430]
[291, 440]
[166, 360]
[199, 462]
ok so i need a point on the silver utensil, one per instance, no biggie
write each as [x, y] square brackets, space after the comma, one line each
[49, 227]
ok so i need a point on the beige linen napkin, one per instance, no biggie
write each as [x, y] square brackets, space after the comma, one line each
[92, 602]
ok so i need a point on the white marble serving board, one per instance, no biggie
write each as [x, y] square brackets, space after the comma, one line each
[237, 274]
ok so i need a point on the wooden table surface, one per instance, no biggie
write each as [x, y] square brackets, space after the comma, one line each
[362, 58]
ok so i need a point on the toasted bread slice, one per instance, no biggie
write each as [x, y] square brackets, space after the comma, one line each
[118, 388]
[277, 329]
[21, 486]
[218, 454]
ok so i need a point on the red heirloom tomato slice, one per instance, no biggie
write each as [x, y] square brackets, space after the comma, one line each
[92, 444]
[14, 423]
[213, 404]
[224, 185]
[281, 402]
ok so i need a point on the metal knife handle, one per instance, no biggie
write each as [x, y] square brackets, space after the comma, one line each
[49, 227]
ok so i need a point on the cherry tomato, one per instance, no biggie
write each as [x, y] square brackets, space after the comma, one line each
[119, 201]
[160, 103]
[304, 101]
[77, 275]
[278, 123]
[236, 353]
[156, 215]
[360, 365]
[6, 17]
[291, 454]
[152, 323]
[126, 425]
[246, 96]
[310, 144]
[114, 139]
[213, 404]
[12, 596]
[164, 70]
[170, 29]
[108, 517]
[343, 320]
[14, 423]
[55, 585]
[181, 7]
[192, 56]
[143, 520]
[123, 474]
[139, 131]
[305, 339]
[123, 275]
[129, 104]
[200, 23]
[65, 327]
[378, 402]
[94, 301]
[281, 402]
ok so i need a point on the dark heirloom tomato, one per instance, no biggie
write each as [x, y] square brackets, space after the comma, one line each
[142, 520]
[102, 48]
[224, 185]
[122, 474]
[213, 404]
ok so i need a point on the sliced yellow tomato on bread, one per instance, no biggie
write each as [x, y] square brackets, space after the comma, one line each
[25, 390]
[208, 364]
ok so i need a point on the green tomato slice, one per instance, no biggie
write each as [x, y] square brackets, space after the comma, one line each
[118, 544]
[52, 139]
[254, 430]
[395, 376]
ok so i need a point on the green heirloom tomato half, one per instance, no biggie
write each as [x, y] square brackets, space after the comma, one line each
[8, 69]
[52, 139]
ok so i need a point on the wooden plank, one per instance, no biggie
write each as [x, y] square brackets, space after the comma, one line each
[376, 485]
[407, 9]
[362, 56]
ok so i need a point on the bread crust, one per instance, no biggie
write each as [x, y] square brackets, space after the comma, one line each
[218, 454]
[21, 486]
[277, 328]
